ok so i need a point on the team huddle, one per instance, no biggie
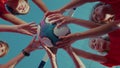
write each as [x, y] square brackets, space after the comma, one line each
[53, 33]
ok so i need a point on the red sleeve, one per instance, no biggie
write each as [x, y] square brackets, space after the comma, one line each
[3, 10]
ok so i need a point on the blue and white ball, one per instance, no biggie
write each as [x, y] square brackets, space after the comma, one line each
[49, 31]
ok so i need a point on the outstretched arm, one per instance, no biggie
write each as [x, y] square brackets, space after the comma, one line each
[28, 28]
[52, 56]
[75, 3]
[75, 58]
[13, 62]
[67, 20]
[51, 52]
[6, 28]
[72, 4]
[31, 47]
[41, 5]
[84, 23]
[13, 19]
[90, 56]
[103, 29]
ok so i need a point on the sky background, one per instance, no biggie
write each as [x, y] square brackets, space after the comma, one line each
[17, 42]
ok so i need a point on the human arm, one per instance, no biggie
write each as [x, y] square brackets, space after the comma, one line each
[30, 48]
[74, 56]
[28, 28]
[75, 3]
[67, 20]
[50, 51]
[41, 5]
[87, 34]
[72, 4]
[52, 55]
[13, 19]
[90, 56]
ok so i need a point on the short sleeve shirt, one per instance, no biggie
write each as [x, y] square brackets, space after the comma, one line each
[114, 52]
[113, 55]
[115, 6]
[2, 7]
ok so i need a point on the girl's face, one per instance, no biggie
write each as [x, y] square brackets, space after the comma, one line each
[102, 14]
[99, 44]
[22, 6]
[19, 6]
[2, 50]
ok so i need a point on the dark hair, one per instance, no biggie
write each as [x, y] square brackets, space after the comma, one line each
[12, 11]
[106, 38]
[97, 5]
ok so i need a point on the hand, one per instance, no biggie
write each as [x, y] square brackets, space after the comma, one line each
[29, 29]
[53, 12]
[48, 50]
[34, 45]
[67, 47]
[55, 18]
[66, 40]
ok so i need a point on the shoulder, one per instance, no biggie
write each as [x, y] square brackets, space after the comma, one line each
[3, 9]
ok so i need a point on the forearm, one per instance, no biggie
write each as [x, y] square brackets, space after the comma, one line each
[90, 56]
[75, 58]
[6, 28]
[98, 31]
[41, 5]
[84, 23]
[13, 19]
[75, 3]
[53, 62]
[52, 56]
[14, 61]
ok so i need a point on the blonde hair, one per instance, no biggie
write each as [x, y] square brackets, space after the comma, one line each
[6, 48]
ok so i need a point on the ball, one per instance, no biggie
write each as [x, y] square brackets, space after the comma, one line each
[51, 32]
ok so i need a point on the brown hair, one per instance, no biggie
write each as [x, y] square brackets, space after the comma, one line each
[109, 11]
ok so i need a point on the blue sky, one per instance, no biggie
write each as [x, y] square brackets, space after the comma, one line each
[17, 42]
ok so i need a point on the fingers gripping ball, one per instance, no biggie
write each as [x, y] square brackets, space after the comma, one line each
[51, 32]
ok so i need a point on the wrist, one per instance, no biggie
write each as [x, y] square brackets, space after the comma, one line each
[77, 36]
[13, 28]
[62, 10]
[8, 28]
[25, 53]
[28, 50]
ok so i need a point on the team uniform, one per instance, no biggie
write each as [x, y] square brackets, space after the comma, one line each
[113, 55]
[115, 4]
[2, 7]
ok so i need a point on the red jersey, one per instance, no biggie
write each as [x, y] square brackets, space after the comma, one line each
[113, 55]
[115, 4]
[2, 7]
